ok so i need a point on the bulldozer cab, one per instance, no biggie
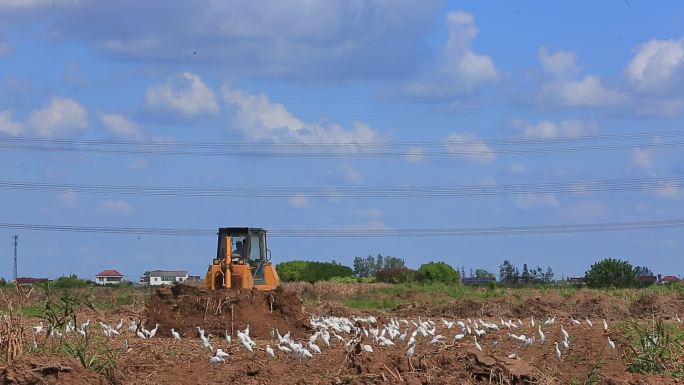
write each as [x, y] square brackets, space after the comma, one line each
[242, 261]
[247, 247]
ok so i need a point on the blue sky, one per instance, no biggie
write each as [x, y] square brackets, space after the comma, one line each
[465, 72]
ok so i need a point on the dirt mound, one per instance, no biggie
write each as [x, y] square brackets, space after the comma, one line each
[185, 307]
[29, 370]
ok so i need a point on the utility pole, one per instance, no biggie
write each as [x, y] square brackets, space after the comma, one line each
[14, 238]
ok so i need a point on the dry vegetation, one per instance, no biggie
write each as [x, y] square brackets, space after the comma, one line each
[643, 324]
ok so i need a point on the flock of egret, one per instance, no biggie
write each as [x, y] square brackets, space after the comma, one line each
[363, 333]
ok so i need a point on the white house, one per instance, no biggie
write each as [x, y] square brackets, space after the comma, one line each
[108, 276]
[164, 277]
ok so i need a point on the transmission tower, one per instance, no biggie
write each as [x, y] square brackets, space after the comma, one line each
[14, 239]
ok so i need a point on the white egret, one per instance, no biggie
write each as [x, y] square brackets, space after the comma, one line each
[605, 325]
[558, 352]
[477, 345]
[270, 351]
[221, 353]
[367, 348]
[175, 334]
[611, 343]
[213, 360]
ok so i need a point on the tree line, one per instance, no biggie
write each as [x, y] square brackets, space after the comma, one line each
[389, 269]
[379, 268]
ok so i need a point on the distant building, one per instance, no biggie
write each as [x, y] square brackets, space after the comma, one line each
[30, 280]
[194, 278]
[477, 280]
[166, 277]
[578, 280]
[668, 279]
[108, 276]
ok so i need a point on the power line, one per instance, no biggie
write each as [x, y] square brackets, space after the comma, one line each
[354, 149]
[369, 233]
[439, 191]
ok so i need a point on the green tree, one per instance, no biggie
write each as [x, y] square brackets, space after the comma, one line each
[482, 273]
[69, 282]
[643, 271]
[526, 277]
[311, 271]
[437, 272]
[507, 272]
[611, 272]
[548, 276]
[369, 266]
[396, 275]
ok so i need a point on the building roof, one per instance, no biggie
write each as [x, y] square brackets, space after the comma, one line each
[27, 280]
[109, 273]
[168, 273]
[669, 278]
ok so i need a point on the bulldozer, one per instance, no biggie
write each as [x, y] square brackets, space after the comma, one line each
[242, 261]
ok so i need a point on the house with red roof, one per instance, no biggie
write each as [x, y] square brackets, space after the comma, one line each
[668, 279]
[108, 276]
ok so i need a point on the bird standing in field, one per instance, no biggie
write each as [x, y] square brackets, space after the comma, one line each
[477, 345]
[175, 334]
[611, 343]
[214, 360]
[558, 352]
[367, 348]
[269, 351]
[605, 325]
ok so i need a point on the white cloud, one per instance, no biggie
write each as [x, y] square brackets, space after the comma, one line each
[415, 155]
[470, 147]
[185, 93]
[559, 64]
[9, 126]
[657, 66]
[350, 174]
[300, 201]
[668, 190]
[68, 198]
[564, 129]
[517, 168]
[274, 38]
[457, 70]
[530, 200]
[116, 207]
[642, 158]
[119, 125]
[60, 117]
[370, 225]
[262, 120]
[564, 89]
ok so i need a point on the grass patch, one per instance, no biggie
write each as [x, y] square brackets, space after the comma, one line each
[655, 347]
[363, 303]
[32, 311]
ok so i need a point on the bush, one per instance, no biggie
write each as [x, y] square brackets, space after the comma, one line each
[611, 272]
[69, 282]
[437, 272]
[312, 272]
[396, 275]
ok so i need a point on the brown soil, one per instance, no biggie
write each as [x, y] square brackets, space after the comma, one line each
[163, 360]
[29, 370]
[185, 307]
